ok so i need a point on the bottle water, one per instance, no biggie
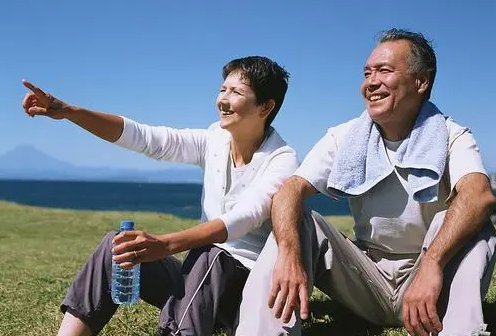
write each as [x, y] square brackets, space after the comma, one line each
[125, 282]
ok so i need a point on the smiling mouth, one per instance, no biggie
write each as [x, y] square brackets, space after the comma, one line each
[226, 113]
[376, 97]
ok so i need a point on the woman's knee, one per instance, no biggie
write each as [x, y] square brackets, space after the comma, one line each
[107, 239]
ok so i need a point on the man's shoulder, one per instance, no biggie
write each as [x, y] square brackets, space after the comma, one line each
[454, 128]
[339, 131]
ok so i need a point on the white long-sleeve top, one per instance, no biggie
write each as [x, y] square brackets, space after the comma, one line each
[245, 207]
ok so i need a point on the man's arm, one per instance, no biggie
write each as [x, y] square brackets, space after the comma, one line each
[464, 218]
[289, 279]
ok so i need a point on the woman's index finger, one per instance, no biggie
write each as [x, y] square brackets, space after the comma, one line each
[33, 88]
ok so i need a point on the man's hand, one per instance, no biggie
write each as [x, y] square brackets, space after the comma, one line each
[289, 280]
[134, 247]
[420, 299]
[289, 287]
[38, 102]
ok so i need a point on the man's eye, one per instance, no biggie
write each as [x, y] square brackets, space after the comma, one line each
[366, 74]
[385, 70]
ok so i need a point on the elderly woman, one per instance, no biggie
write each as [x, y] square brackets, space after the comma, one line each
[244, 162]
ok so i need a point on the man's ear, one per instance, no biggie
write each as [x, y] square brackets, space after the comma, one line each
[423, 81]
[267, 108]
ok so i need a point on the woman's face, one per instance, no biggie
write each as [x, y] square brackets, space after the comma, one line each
[237, 105]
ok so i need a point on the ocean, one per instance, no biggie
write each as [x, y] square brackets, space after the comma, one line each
[180, 199]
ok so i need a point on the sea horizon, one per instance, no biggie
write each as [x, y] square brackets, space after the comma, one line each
[182, 199]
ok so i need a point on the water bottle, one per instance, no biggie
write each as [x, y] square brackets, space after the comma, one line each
[125, 282]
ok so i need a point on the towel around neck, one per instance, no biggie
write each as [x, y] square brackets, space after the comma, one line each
[361, 161]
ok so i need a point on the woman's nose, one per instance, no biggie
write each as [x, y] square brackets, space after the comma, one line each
[223, 96]
[222, 101]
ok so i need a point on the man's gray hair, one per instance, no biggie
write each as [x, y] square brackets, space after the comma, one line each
[422, 56]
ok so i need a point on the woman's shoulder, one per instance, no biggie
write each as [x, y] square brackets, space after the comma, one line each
[217, 134]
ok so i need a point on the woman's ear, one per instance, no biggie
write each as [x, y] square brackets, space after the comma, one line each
[267, 108]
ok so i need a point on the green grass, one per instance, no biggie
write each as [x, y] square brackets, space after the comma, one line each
[42, 249]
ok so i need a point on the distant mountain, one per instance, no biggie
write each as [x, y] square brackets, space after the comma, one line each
[29, 163]
[28, 157]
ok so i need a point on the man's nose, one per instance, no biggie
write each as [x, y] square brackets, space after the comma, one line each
[373, 80]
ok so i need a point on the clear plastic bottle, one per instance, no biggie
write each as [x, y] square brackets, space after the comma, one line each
[125, 282]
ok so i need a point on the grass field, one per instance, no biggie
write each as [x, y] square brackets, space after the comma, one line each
[42, 249]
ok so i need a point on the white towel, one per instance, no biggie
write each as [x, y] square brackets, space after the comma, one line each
[362, 161]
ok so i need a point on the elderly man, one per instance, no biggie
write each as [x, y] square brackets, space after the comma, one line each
[420, 198]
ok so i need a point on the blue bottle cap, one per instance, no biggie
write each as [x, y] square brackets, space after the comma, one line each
[127, 225]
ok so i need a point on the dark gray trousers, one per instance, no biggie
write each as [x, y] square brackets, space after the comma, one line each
[194, 296]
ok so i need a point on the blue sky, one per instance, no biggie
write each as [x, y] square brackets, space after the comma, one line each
[159, 62]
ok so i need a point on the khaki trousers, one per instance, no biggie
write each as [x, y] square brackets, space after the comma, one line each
[370, 282]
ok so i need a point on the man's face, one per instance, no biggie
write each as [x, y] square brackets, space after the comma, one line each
[390, 91]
